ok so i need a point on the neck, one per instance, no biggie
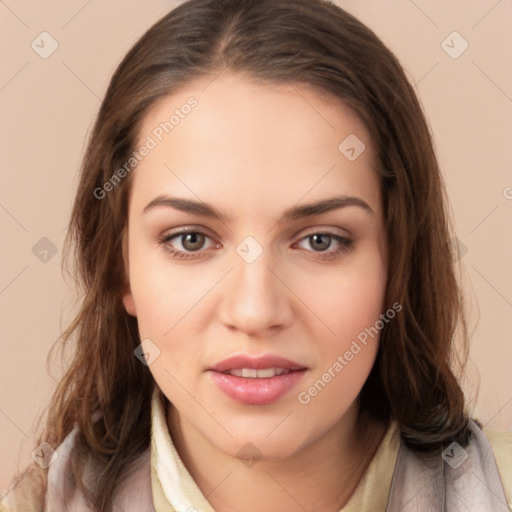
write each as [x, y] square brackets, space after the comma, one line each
[319, 478]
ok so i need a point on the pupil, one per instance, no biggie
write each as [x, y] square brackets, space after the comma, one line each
[323, 245]
[191, 241]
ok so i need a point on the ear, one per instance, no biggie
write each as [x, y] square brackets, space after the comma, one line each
[128, 303]
[127, 296]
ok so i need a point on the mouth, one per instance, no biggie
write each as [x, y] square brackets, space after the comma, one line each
[256, 380]
[251, 373]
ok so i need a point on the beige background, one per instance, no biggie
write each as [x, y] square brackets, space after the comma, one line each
[48, 106]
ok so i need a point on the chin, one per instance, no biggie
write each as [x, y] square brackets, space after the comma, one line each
[263, 440]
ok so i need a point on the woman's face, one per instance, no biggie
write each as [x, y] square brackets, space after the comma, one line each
[283, 267]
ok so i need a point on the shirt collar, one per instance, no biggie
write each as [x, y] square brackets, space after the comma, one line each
[172, 484]
[174, 488]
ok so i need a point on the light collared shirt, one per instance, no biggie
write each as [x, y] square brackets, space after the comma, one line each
[174, 489]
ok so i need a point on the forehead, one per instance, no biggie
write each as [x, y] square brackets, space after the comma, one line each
[264, 141]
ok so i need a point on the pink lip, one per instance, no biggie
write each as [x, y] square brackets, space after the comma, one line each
[254, 391]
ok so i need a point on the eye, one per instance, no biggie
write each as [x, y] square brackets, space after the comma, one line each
[322, 241]
[191, 243]
[183, 244]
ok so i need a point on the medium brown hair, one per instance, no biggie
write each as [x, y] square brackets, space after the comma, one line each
[311, 42]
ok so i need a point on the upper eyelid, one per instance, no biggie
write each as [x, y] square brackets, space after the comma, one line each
[205, 231]
[329, 231]
[170, 235]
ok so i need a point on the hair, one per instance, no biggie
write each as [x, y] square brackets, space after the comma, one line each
[309, 42]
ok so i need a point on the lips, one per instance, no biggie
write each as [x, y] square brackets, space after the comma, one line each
[257, 380]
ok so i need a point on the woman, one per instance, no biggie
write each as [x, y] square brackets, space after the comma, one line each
[270, 305]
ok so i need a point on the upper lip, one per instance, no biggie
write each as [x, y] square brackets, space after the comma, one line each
[256, 363]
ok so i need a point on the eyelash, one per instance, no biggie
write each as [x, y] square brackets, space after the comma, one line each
[345, 244]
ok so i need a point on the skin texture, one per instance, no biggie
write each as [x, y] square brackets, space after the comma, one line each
[253, 151]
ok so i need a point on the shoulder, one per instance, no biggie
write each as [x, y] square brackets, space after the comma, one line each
[39, 490]
[30, 491]
[478, 474]
[26, 493]
[501, 443]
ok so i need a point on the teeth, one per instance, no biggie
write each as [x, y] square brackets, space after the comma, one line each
[268, 372]
[250, 373]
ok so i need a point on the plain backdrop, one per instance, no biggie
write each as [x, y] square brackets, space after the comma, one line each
[48, 106]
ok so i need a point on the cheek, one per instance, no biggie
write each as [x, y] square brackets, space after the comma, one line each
[348, 299]
[351, 308]
[170, 310]
[162, 291]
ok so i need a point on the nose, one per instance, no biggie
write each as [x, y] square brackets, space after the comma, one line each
[255, 298]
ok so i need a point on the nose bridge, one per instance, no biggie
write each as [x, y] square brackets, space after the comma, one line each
[254, 299]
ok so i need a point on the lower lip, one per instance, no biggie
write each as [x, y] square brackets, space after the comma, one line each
[256, 391]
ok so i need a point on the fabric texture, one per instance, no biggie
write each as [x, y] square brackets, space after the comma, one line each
[62, 494]
[160, 481]
[450, 480]
[175, 490]
[418, 484]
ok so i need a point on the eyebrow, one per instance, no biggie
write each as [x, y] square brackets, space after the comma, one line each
[292, 214]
